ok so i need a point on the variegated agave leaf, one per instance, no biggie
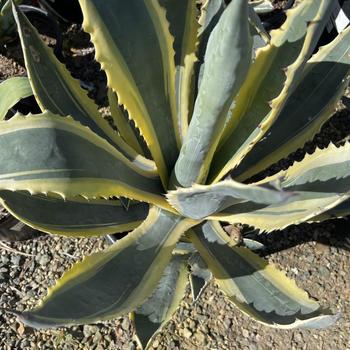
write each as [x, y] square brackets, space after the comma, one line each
[152, 316]
[254, 286]
[279, 65]
[191, 100]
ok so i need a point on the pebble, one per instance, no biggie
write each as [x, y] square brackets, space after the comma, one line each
[42, 259]
[155, 344]
[245, 333]
[187, 333]
[125, 324]
[324, 272]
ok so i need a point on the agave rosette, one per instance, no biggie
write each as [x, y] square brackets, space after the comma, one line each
[208, 102]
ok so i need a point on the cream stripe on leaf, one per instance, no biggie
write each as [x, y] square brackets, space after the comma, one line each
[12, 90]
[134, 48]
[326, 170]
[77, 218]
[153, 315]
[254, 286]
[271, 79]
[48, 153]
[340, 211]
[57, 91]
[325, 78]
[115, 281]
[302, 207]
[123, 124]
[183, 26]
[229, 46]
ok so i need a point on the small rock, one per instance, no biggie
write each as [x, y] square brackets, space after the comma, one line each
[43, 259]
[245, 333]
[89, 330]
[295, 270]
[97, 337]
[187, 333]
[4, 259]
[200, 337]
[155, 344]
[21, 330]
[310, 258]
[298, 337]
[15, 260]
[324, 272]
[125, 324]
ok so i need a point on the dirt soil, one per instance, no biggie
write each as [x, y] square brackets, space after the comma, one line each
[317, 256]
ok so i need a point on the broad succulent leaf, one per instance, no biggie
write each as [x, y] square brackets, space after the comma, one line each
[200, 201]
[136, 52]
[78, 217]
[210, 15]
[342, 210]
[301, 207]
[115, 281]
[60, 161]
[279, 66]
[326, 170]
[56, 90]
[154, 314]
[12, 91]
[229, 46]
[325, 78]
[257, 288]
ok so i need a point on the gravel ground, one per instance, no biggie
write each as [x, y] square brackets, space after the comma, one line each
[315, 255]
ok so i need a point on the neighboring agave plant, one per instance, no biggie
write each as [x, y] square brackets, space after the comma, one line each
[207, 103]
[7, 24]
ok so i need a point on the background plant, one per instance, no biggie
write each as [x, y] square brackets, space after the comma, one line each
[207, 102]
[7, 23]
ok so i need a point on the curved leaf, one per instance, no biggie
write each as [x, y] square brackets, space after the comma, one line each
[183, 26]
[115, 281]
[340, 211]
[12, 90]
[122, 122]
[301, 207]
[270, 81]
[48, 153]
[200, 201]
[73, 218]
[57, 91]
[153, 315]
[134, 48]
[229, 46]
[257, 288]
[326, 170]
[324, 81]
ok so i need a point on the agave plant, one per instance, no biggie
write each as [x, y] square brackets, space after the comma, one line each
[208, 103]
